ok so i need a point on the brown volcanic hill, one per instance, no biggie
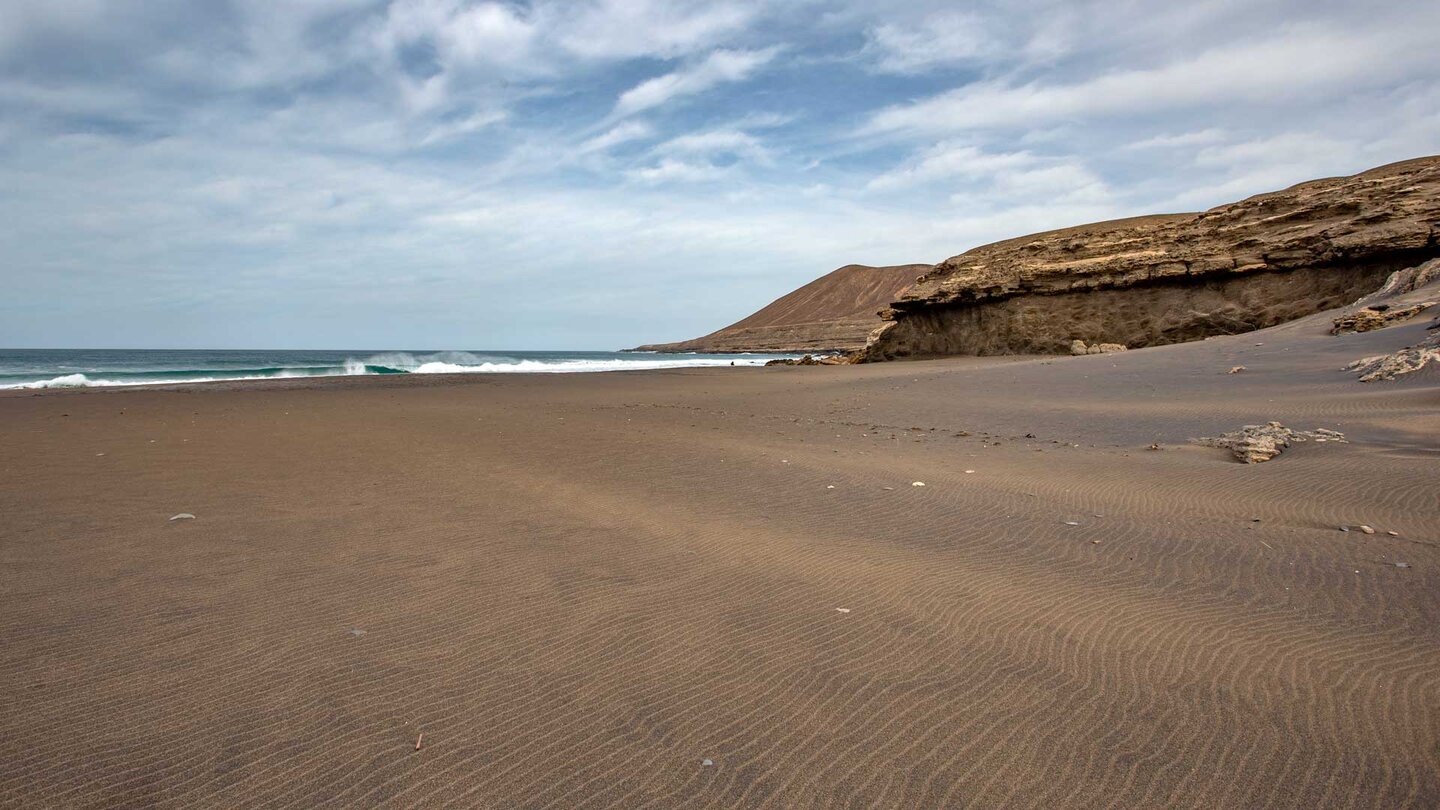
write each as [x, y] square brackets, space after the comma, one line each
[832, 313]
[1153, 280]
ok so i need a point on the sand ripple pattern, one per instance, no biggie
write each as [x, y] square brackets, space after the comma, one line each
[581, 591]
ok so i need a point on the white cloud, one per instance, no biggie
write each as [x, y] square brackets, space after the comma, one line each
[719, 67]
[671, 170]
[941, 40]
[1238, 169]
[620, 29]
[1203, 137]
[1057, 183]
[1283, 149]
[463, 37]
[424, 95]
[624, 132]
[717, 142]
[997, 179]
[947, 160]
[705, 156]
[464, 126]
[765, 120]
[489, 32]
[1300, 62]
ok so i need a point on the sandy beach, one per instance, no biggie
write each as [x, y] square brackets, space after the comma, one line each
[722, 588]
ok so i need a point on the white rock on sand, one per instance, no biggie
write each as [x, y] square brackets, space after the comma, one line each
[1405, 361]
[1253, 444]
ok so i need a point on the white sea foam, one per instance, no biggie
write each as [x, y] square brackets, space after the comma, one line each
[436, 363]
[82, 381]
[65, 381]
[575, 366]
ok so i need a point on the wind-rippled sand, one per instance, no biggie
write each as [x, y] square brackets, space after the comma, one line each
[581, 588]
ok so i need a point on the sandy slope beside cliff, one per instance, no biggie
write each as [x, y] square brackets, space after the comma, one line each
[832, 313]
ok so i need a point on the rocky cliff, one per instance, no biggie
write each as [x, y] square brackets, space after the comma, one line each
[1164, 279]
[832, 313]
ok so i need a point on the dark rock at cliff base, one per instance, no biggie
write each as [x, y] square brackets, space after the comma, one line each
[1078, 347]
[1154, 280]
[1368, 319]
[811, 360]
[832, 313]
[1392, 304]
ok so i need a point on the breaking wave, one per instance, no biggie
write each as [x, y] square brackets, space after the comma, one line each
[448, 362]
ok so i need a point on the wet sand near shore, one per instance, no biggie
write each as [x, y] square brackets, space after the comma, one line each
[581, 589]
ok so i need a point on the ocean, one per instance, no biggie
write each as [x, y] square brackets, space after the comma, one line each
[81, 368]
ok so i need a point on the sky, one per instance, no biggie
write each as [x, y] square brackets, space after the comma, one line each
[595, 174]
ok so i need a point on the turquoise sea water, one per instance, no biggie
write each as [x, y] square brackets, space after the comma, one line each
[78, 368]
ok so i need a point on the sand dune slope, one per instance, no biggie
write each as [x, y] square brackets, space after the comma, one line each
[581, 588]
[835, 312]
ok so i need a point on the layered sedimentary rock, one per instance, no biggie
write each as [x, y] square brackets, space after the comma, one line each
[1154, 280]
[835, 312]
[1368, 319]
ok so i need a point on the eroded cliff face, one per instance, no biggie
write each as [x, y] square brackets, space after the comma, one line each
[1165, 279]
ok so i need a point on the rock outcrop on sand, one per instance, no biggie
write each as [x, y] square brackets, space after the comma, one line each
[1393, 303]
[811, 360]
[834, 313]
[1399, 363]
[1253, 444]
[1078, 347]
[1164, 279]
[1403, 296]
[1379, 316]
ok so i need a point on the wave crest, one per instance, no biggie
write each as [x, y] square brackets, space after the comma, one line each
[449, 362]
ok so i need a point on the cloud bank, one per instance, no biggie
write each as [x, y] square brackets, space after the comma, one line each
[470, 175]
